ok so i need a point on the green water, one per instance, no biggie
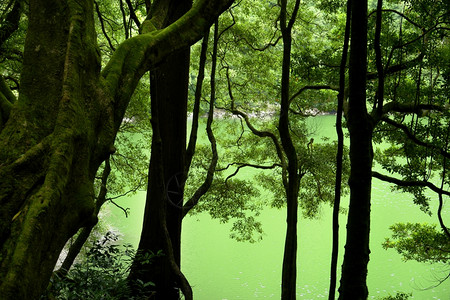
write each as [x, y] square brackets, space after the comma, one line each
[221, 268]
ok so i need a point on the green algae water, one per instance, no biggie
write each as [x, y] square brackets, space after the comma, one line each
[218, 267]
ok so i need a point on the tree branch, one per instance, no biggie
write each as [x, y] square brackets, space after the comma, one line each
[137, 55]
[212, 165]
[413, 138]
[243, 165]
[396, 68]
[133, 14]
[257, 132]
[102, 25]
[313, 87]
[413, 108]
[190, 151]
[405, 183]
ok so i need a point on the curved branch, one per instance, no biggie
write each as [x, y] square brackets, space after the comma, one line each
[212, 165]
[133, 14]
[196, 111]
[405, 183]
[400, 14]
[102, 25]
[243, 165]
[313, 87]
[413, 138]
[138, 54]
[257, 132]
[399, 67]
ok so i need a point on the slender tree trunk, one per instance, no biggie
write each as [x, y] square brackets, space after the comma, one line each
[356, 258]
[339, 157]
[289, 273]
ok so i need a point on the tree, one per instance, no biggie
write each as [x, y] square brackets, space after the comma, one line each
[168, 89]
[385, 103]
[63, 126]
[354, 268]
[303, 165]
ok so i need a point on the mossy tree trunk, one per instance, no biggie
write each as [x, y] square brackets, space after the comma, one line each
[63, 126]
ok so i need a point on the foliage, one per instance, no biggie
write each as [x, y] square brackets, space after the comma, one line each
[420, 242]
[102, 274]
[398, 296]
[227, 200]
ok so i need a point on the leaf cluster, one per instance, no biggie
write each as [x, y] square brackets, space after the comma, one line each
[420, 242]
[102, 274]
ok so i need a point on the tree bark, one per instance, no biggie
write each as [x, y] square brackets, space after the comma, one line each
[360, 126]
[169, 92]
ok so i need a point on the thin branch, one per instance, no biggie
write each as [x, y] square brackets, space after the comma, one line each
[102, 25]
[398, 13]
[124, 19]
[339, 156]
[229, 26]
[243, 165]
[133, 14]
[294, 15]
[441, 201]
[313, 87]
[399, 67]
[212, 165]
[271, 42]
[257, 132]
[196, 111]
[378, 59]
[125, 210]
[413, 138]
[407, 183]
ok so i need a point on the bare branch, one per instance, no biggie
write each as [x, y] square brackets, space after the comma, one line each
[399, 67]
[255, 131]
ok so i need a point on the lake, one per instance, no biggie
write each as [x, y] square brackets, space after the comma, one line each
[219, 268]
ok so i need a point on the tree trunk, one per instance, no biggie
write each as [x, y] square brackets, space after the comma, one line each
[49, 155]
[339, 158]
[356, 257]
[289, 273]
[169, 91]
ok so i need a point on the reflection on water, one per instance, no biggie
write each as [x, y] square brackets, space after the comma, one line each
[220, 268]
